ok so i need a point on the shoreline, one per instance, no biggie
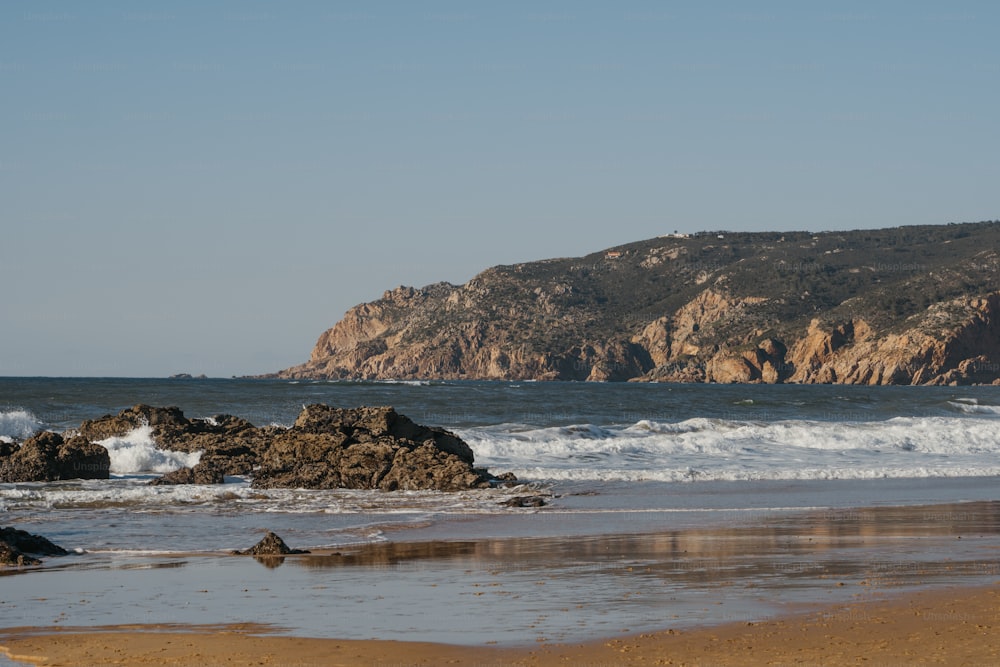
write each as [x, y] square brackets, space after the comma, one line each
[953, 626]
[506, 592]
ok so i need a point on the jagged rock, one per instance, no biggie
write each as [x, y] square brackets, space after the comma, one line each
[507, 479]
[326, 448]
[78, 458]
[371, 423]
[16, 545]
[11, 556]
[46, 457]
[163, 419]
[271, 545]
[427, 467]
[205, 472]
[366, 448]
[233, 441]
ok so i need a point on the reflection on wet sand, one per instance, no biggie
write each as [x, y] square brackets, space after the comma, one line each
[534, 588]
[890, 546]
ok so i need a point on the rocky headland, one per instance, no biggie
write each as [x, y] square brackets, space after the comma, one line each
[907, 305]
[326, 448]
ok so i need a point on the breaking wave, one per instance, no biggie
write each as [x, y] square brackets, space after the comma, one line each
[715, 449]
[136, 452]
[971, 406]
[18, 424]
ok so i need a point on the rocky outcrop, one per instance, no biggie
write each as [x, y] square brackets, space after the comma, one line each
[270, 551]
[230, 444]
[205, 472]
[366, 448]
[525, 501]
[271, 545]
[909, 305]
[47, 457]
[19, 548]
[326, 448]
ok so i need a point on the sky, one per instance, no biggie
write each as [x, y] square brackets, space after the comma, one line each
[204, 187]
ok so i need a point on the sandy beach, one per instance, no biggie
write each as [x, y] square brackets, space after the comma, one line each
[945, 627]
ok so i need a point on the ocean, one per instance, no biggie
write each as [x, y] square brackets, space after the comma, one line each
[620, 466]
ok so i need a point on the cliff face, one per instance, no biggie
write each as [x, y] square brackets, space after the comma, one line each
[911, 305]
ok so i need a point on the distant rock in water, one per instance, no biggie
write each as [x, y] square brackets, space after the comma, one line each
[47, 457]
[326, 448]
[271, 545]
[16, 545]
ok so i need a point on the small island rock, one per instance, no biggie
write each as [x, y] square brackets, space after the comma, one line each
[271, 545]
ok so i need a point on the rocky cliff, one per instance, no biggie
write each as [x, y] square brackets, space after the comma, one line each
[907, 305]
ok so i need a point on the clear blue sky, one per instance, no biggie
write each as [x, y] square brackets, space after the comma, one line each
[205, 187]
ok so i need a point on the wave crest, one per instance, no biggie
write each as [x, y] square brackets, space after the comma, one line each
[136, 452]
[715, 449]
[18, 424]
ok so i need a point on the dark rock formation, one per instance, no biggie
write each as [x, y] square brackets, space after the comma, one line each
[46, 457]
[326, 448]
[11, 556]
[232, 443]
[525, 501]
[78, 458]
[16, 545]
[907, 305]
[271, 545]
[366, 448]
[206, 472]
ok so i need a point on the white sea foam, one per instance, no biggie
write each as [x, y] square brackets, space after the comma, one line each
[18, 424]
[714, 449]
[120, 493]
[136, 452]
[135, 495]
[972, 407]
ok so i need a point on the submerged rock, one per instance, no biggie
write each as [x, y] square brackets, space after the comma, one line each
[205, 472]
[16, 545]
[525, 501]
[11, 556]
[46, 457]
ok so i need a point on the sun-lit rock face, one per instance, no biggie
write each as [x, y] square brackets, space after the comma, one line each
[909, 305]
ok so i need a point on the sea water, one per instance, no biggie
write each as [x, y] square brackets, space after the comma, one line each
[593, 447]
[612, 461]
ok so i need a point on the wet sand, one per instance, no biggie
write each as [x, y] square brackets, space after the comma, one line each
[949, 627]
[890, 585]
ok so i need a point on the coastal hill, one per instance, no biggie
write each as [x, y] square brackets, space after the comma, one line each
[906, 305]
